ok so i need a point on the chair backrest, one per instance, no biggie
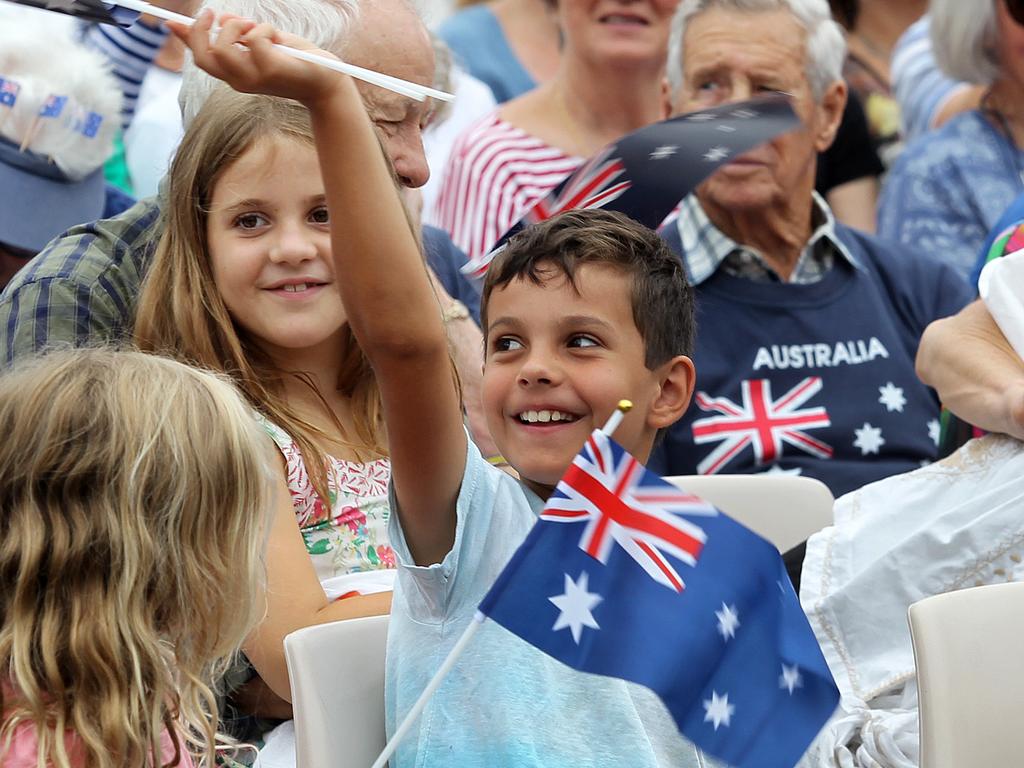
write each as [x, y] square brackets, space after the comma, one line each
[337, 681]
[970, 676]
[785, 509]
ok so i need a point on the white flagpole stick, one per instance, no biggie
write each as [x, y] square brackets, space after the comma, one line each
[435, 682]
[624, 407]
[403, 87]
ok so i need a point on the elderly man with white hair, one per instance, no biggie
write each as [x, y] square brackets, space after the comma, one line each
[808, 329]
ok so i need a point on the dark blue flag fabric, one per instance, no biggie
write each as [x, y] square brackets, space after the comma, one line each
[646, 173]
[90, 10]
[626, 575]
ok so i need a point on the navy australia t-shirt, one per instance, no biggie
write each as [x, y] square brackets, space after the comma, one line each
[817, 379]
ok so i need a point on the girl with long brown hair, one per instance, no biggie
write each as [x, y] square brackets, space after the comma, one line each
[243, 282]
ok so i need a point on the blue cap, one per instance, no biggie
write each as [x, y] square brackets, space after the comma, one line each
[38, 201]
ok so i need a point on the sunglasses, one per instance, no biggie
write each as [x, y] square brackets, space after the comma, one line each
[1016, 10]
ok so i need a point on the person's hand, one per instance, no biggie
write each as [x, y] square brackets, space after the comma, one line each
[242, 54]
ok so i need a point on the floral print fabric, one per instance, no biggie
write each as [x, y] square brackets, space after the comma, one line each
[347, 532]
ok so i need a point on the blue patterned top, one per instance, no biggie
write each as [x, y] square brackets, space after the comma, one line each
[948, 189]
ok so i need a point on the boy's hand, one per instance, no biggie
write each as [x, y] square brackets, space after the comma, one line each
[242, 54]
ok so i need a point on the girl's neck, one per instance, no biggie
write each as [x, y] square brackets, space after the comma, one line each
[310, 387]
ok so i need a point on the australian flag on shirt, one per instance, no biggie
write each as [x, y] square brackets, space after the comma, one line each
[625, 575]
[89, 10]
[646, 173]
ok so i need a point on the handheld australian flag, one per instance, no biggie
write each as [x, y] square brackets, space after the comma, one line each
[646, 173]
[626, 575]
[89, 10]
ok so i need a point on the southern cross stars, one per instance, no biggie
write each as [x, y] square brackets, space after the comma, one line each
[892, 397]
[576, 604]
[715, 154]
[869, 439]
[717, 710]
[728, 621]
[664, 152]
[790, 678]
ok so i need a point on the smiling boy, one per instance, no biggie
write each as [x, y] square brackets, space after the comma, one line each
[579, 312]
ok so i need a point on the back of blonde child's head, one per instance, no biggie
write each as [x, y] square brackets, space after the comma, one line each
[181, 312]
[134, 494]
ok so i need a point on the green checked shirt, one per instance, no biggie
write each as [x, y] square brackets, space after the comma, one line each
[82, 288]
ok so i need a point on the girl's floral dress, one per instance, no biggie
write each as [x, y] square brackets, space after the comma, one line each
[347, 532]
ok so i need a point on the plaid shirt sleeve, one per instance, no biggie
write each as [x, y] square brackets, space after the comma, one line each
[81, 288]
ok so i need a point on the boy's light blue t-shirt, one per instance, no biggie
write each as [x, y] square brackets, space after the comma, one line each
[505, 703]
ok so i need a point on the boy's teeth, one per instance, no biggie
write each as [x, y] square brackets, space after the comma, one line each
[297, 288]
[544, 417]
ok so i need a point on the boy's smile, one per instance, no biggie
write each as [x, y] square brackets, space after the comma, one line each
[558, 361]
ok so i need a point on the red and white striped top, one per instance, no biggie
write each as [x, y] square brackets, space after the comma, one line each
[496, 172]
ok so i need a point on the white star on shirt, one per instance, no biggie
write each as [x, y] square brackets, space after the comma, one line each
[715, 154]
[869, 439]
[575, 606]
[718, 711]
[728, 621]
[726, 128]
[790, 678]
[744, 114]
[701, 118]
[892, 397]
[663, 152]
[934, 430]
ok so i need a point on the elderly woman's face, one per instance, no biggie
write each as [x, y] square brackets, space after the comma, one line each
[733, 56]
[620, 31]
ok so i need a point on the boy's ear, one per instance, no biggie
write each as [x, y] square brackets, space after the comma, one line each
[678, 377]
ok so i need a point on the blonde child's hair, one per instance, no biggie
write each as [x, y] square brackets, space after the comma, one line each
[180, 311]
[134, 502]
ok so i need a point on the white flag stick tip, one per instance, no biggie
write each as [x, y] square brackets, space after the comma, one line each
[624, 407]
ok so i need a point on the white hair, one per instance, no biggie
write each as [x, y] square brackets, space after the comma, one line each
[964, 34]
[826, 42]
[325, 23]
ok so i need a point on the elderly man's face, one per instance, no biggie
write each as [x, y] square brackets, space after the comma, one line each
[390, 38]
[731, 56]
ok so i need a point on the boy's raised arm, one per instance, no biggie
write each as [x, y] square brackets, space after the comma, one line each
[382, 276]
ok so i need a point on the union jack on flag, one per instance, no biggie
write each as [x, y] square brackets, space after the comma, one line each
[621, 503]
[9, 91]
[590, 187]
[53, 106]
[761, 422]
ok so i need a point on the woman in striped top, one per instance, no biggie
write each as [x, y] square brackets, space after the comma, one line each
[609, 82]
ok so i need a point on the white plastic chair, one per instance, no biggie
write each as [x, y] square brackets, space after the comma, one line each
[970, 676]
[337, 681]
[785, 509]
